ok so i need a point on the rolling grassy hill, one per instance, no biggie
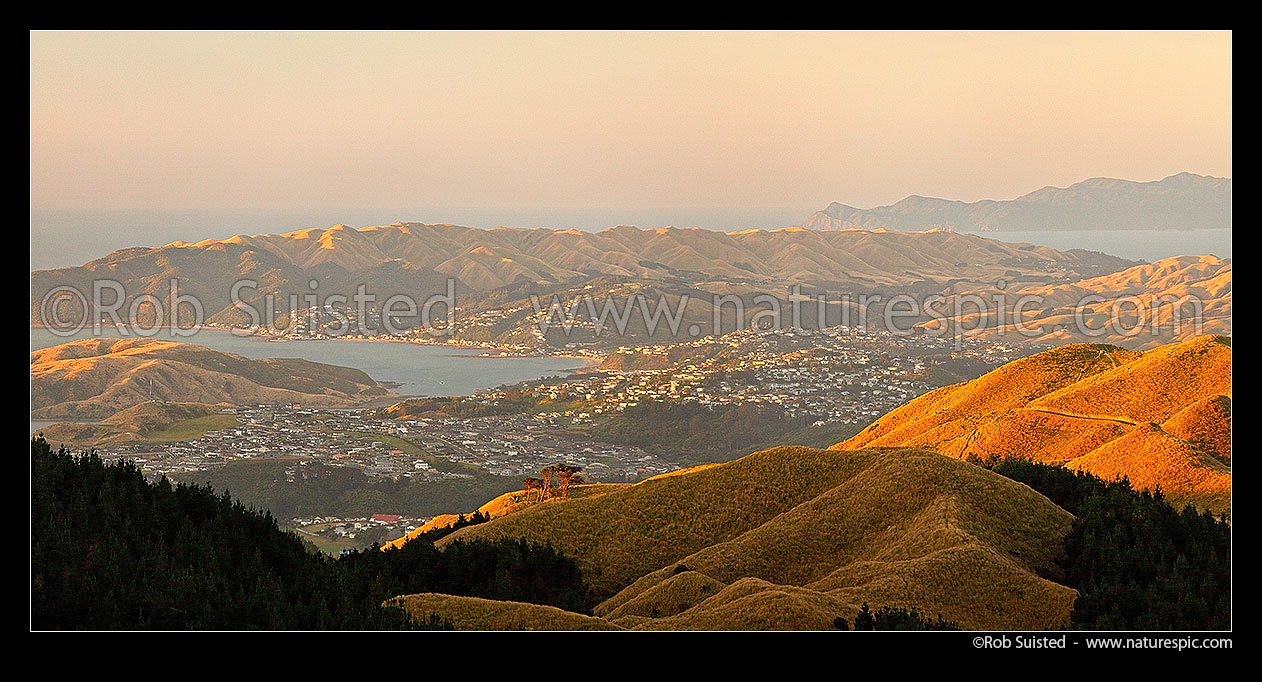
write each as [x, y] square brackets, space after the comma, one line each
[507, 503]
[1162, 417]
[475, 613]
[417, 259]
[96, 378]
[1140, 307]
[145, 423]
[793, 538]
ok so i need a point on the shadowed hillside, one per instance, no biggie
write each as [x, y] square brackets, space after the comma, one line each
[794, 538]
[473, 613]
[144, 422]
[1161, 418]
[95, 378]
[416, 259]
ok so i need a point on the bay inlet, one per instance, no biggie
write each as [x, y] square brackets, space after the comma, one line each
[409, 368]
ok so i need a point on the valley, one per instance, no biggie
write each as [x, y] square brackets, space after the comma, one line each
[96, 378]
[673, 331]
[821, 467]
[619, 422]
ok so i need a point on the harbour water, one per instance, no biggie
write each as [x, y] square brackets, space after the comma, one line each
[417, 369]
[1147, 245]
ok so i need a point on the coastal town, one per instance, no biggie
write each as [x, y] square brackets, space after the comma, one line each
[836, 374]
[840, 376]
[338, 535]
[425, 449]
[831, 375]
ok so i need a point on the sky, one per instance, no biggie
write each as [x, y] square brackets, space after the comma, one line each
[617, 120]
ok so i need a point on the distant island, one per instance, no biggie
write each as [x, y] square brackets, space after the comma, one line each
[1185, 201]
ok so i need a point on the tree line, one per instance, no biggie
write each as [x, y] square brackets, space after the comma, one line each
[112, 550]
[555, 481]
[691, 433]
[894, 618]
[1137, 562]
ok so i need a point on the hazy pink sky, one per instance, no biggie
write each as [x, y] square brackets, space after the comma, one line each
[330, 119]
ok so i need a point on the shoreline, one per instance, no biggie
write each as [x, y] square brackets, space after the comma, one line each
[492, 352]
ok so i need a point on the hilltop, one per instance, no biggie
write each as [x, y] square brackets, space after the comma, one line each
[509, 502]
[1185, 201]
[1144, 306]
[484, 259]
[417, 259]
[794, 538]
[144, 423]
[1161, 418]
[95, 378]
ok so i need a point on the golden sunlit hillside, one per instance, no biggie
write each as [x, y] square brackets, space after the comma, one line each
[507, 503]
[793, 538]
[1206, 424]
[545, 330]
[1152, 459]
[96, 378]
[416, 259]
[486, 259]
[1162, 417]
[1140, 307]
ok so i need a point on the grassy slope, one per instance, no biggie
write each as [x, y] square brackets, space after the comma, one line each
[99, 377]
[1092, 405]
[193, 428]
[508, 503]
[473, 613]
[795, 537]
[910, 528]
[144, 423]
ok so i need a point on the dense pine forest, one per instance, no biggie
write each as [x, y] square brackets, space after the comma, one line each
[894, 618]
[112, 550]
[1137, 562]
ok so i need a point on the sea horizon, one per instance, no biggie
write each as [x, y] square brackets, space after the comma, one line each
[57, 236]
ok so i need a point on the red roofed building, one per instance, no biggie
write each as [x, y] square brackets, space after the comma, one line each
[386, 518]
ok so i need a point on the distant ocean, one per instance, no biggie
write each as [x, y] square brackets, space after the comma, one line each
[68, 238]
[417, 369]
[1147, 245]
